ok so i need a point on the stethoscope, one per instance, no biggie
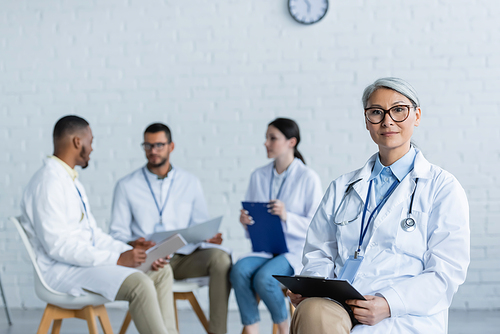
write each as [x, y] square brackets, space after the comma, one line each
[408, 224]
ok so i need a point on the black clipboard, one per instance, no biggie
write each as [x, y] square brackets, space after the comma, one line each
[266, 233]
[308, 286]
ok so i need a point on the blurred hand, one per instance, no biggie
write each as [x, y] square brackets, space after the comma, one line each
[277, 207]
[216, 239]
[370, 311]
[295, 298]
[142, 243]
[158, 264]
[132, 258]
[245, 219]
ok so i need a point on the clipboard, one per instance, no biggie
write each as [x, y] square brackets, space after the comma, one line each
[308, 286]
[192, 234]
[266, 233]
[162, 250]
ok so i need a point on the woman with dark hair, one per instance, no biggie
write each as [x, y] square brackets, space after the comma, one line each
[293, 192]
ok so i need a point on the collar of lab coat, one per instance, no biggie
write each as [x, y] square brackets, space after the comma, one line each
[294, 167]
[59, 169]
[421, 170]
[71, 171]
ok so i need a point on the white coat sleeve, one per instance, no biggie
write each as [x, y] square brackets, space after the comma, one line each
[320, 250]
[445, 261]
[121, 215]
[61, 240]
[296, 225]
[199, 212]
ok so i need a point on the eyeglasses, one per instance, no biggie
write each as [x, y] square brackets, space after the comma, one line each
[398, 113]
[150, 146]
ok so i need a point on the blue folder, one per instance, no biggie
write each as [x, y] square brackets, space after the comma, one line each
[266, 233]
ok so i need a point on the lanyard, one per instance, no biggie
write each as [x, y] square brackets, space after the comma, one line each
[271, 185]
[160, 211]
[86, 214]
[81, 198]
[377, 208]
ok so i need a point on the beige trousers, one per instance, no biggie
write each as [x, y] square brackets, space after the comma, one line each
[320, 316]
[151, 301]
[211, 262]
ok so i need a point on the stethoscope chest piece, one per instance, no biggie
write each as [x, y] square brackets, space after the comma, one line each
[408, 224]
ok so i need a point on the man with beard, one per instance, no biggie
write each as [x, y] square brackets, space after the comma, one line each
[74, 255]
[160, 197]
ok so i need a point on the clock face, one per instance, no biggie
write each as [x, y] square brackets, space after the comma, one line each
[307, 11]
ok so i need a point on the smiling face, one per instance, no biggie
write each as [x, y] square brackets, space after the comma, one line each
[276, 143]
[392, 138]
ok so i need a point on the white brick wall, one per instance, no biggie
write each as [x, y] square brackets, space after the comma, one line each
[218, 72]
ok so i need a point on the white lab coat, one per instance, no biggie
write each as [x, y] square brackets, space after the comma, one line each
[134, 213]
[417, 272]
[70, 259]
[301, 194]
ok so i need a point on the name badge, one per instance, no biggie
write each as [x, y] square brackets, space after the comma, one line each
[351, 268]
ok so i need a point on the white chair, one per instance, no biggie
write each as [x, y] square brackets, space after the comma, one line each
[183, 290]
[61, 305]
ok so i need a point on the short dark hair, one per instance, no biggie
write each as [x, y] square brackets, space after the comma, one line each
[68, 125]
[157, 127]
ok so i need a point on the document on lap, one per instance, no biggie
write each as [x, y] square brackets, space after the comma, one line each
[266, 233]
[309, 286]
[162, 250]
[192, 234]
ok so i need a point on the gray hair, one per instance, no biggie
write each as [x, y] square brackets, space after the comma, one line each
[396, 84]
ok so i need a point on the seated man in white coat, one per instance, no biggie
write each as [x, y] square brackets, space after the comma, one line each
[74, 255]
[159, 197]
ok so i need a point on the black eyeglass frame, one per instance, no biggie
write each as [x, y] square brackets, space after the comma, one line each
[153, 145]
[409, 106]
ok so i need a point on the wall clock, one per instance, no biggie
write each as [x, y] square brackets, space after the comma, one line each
[307, 11]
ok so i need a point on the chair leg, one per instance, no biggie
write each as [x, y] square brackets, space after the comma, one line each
[44, 326]
[126, 323]
[53, 312]
[275, 328]
[102, 315]
[197, 309]
[87, 313]
[7, 312]
[56, 327]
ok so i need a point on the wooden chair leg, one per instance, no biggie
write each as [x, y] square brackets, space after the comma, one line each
[275, 328]
[53, 312]
[56, 327]
[126, 323]
[88, 314]
[197, 309]
[102, 315]
[44, 326]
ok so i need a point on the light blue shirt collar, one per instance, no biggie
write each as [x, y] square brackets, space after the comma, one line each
[400, 168]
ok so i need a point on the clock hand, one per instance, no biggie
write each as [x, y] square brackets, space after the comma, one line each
[308, 6]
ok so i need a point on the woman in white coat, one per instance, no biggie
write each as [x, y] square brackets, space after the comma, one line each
[402, 222]
[293, 192]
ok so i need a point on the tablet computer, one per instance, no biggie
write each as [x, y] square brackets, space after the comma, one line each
[162, 250]
[192, 234]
